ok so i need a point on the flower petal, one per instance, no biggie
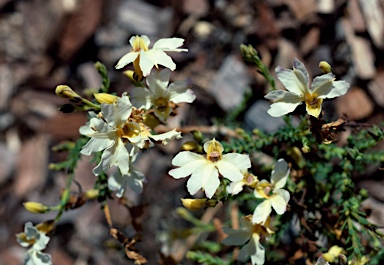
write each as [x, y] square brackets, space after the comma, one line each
[126, 59]
[280, 174]
[205, 177]
[281, 108]
[95, 145]
[235, 187]
[241, 161]
[262, 212]
[339, 88]
[229, 171]
[146, 62]
[169, 44]
[188, 163]
[258, 257]
[279, 201]
[160, 57]
[167, 136]
[117, 182]
[141, 98]
[294, 81]
[235, 237]
[297, 65]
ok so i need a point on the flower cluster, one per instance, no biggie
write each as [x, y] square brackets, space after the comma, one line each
[253, 227]
[123, 126]
[206, 172]
[37, 241]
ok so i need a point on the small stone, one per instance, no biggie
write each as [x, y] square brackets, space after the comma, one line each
[6, 84]
[376, 88]
[325, 6]
[230, 83]
[31, 169]
[196, 7]
[258, 118]
[356, 16]
[310, 41]
[355, 105]
[134, 16]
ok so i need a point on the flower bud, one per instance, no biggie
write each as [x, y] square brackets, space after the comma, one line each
[248, 52]
[191, 146]
[45, 227]
[211, 203]
[105, 98]
[193, 204]
[91, 194]
[35, 207]
[66, 92]
[325, 67]
[333, 253]
[133, 76]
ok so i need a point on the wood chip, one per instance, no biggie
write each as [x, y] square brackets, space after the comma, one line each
[31, 169]
[376, 88]
[373, 15]
[354, 105]
[356, 17]
[302, 9]
[362, 54]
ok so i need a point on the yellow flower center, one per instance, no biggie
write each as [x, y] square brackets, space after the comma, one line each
[312, 101]
[265, 189]
[139, 44]
[129, 130]
[215, 150]
[161, 104]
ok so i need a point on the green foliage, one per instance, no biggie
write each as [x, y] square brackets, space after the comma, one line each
[205, 258]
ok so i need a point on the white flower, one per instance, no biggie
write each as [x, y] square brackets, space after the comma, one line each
[275, 197]
[107, 134]
[237, 186]
[205, 171]
[146, 58]
[117, 182]
[160, 95]
[38, 241]
[252, 234]
[296, 82]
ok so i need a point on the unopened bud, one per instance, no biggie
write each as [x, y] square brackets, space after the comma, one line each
[91, 194]
[248, 52]
[45, 227]
[296, 154]
[35, 207]
[134, 76]
[190, 146]
[211, 203]
[105, 98]
[193, 204]
[67, 92]
[325, 67]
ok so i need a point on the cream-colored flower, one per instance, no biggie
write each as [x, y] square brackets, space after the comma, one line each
[205, 171]
[107, 133]
[160, 94]
[250, 235]
[118, 182]
[296, 81]
[275, 197]
[37, 241]
[237, 186]
[145, 59]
